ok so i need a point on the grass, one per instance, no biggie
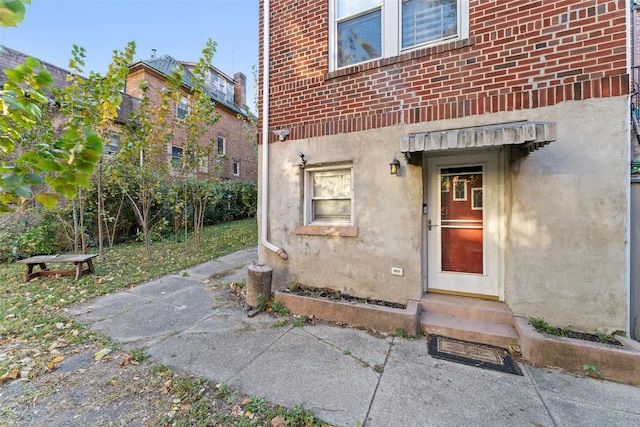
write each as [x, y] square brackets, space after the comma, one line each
[34, 330]
[32, 313]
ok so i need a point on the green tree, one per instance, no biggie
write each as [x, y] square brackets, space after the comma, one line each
[140, 165]
[200, 117]
[93, 102]
[31, 154]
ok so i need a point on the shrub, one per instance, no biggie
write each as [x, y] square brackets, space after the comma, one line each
[35, 232]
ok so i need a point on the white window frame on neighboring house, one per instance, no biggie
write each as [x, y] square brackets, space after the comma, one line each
[176, 156]
[182, 108]
[113, 145]
[223, 140]
[386, 20]
[236, 168]
[314, 195]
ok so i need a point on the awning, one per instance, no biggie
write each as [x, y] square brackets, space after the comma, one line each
[529, 135]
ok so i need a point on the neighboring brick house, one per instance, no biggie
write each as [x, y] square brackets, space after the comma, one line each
[233, 134]
[478, 149]
[10, 58]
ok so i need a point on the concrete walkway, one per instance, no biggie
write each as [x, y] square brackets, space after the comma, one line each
[344, 375]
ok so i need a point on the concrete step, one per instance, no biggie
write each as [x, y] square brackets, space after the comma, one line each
[499, 334]
[470, 308]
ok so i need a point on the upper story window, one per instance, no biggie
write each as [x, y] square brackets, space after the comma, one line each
[182, 108]
[221, 87]
[370, 29]
[221, 145]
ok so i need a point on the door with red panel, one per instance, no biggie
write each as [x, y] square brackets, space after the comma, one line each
[464, 198]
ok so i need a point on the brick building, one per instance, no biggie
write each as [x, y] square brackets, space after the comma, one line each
[233, 135]
[477, 149]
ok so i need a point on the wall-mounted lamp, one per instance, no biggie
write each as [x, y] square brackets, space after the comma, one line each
[395, 167]
[282, 133]
[304, 161]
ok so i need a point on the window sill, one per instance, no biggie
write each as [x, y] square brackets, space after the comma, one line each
[407, 56]
[327, 230]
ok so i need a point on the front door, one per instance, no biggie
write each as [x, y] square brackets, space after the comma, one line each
[464, 202]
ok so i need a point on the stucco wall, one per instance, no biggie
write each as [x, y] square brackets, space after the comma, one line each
[387, 214]
[566, 247]
[565, 216]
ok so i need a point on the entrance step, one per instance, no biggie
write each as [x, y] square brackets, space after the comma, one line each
[469, 319]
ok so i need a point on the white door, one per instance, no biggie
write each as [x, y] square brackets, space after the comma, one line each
[464, 225]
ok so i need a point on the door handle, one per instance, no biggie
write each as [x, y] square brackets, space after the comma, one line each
[432, 225]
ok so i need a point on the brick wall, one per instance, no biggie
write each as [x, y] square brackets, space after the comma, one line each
[240, 137]
[520, 54]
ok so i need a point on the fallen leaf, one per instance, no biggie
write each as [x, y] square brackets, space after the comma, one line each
[278, 421]
[99, 355]
[246, 401]
[57, 359]
[10, 375]
[126, 359]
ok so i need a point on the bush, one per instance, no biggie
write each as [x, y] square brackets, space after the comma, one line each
[233, 201]
[35, 232]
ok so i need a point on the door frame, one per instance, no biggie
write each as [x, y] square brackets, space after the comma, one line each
[496, 221]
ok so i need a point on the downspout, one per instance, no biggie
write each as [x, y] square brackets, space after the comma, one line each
[265, 137]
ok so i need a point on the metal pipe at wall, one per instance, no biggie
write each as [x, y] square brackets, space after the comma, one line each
[264, 236]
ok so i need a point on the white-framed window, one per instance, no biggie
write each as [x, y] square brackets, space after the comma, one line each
[112, 146]
[182, 108]
[176, 156]
[221, 145]
[236, 168]
[366, 30]
[328, 195]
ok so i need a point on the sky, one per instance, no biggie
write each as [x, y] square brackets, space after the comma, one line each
[179, 28]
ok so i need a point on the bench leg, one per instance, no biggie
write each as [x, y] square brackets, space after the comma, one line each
[90, 264]
[80, 272]
[30, 274]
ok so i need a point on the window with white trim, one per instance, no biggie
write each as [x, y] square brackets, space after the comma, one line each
[366, 30]
[236, 168]
[329, 195]
[112, 146]
[221, 145]
[176, 156]
[182, 108]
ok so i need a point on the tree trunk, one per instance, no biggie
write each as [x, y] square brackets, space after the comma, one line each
[76, 227]
[100, 211]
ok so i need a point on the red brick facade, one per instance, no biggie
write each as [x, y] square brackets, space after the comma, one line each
[239, 134]
[520, 54]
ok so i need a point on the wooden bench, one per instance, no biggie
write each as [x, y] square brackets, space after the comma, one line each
[43, 260]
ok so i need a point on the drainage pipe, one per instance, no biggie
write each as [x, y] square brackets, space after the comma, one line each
[266, 21]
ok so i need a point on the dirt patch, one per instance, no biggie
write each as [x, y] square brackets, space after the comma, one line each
[337, 295]
[81, 391]
[543, 327]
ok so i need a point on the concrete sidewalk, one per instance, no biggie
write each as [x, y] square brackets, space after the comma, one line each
[344, 375]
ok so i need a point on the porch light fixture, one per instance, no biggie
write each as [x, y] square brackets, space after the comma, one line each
[301, 155]
[395, 167]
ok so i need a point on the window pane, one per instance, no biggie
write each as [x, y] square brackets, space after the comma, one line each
[428, 20]
[332, 210]
[351, 7]
[333, 186]
[360, 39]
